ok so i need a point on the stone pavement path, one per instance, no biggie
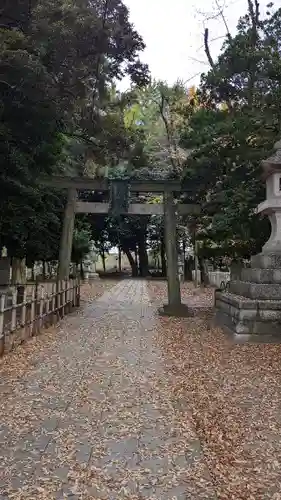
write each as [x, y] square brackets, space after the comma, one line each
[96, 417]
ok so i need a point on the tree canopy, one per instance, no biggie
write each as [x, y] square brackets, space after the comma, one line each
[58, 60]
[61, 112]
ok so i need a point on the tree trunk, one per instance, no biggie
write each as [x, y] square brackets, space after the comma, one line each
[19, 277]
[132, 262]
[204, 271]
[137, 257]
[82, 270]
[188, 266]
[103, 260]
[196, 261]
[33, 272]
[143, 257]
[163, 257]
[75, 269]
[183, 248]
[44, 270]
[119, 260]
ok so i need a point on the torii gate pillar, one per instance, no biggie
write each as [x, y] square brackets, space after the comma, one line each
[174, 306]
[174, 295]
[67, 235]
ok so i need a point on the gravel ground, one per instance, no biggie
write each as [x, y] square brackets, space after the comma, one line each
[94, 289]
[116, 402]
[234, 395]
[196, 298]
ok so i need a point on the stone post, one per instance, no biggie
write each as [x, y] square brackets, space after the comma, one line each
[67, 235]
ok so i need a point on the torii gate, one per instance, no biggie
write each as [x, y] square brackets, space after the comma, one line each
[168, 209]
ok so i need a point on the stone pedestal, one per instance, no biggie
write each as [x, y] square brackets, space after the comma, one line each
[252, 304]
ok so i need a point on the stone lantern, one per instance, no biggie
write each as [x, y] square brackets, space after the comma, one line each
[90, 263]
[272, 205]
[252, 305]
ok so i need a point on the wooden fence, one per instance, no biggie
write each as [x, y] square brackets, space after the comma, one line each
[24, 311]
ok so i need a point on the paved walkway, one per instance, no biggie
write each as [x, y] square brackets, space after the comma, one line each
[96, 417]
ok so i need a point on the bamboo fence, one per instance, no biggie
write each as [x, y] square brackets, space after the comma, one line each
[25, 310]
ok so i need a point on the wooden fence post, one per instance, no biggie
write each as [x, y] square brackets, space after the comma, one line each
[76, 293]
[32, 311]
[58, 295]
[47, 320]
[63, 297]
[14, 310]
[67, 295]
[23, 313]
[53, 306]
[72, 293]
[2, 334]
[41, 309]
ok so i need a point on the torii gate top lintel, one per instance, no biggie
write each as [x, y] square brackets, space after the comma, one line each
[88, 183]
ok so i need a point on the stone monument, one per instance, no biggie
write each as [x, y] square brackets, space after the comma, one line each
[252, 305]
[90, 263]
[181, 267]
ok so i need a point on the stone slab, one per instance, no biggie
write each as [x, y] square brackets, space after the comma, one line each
[242, 338]
[261, 275]
[249, 313]
[266, 260]
[250, 320]
[263, 291]
[247, 303]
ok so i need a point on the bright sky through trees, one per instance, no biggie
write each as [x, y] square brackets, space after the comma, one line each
[173, 33]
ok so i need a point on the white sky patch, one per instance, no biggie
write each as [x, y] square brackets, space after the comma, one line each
[173, 33]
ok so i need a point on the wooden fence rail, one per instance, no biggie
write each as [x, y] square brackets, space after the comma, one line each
[39, 306]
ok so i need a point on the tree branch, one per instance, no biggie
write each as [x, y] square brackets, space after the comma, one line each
[12, 87]
[207, 49]
[221, 13]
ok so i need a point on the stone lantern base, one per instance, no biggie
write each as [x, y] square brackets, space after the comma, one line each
[90, 275]
[252, 306]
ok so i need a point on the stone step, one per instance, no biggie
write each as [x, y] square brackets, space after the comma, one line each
[248, 327]
[261, 275]
[262, 291]
[246, 316]
[266, 261]
[242, 308]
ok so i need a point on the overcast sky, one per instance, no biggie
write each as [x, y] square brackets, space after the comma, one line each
[173, 33]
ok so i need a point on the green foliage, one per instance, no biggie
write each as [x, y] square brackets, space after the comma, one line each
[81, 241]
[155, 117]
[233, 128]
[58, 60]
